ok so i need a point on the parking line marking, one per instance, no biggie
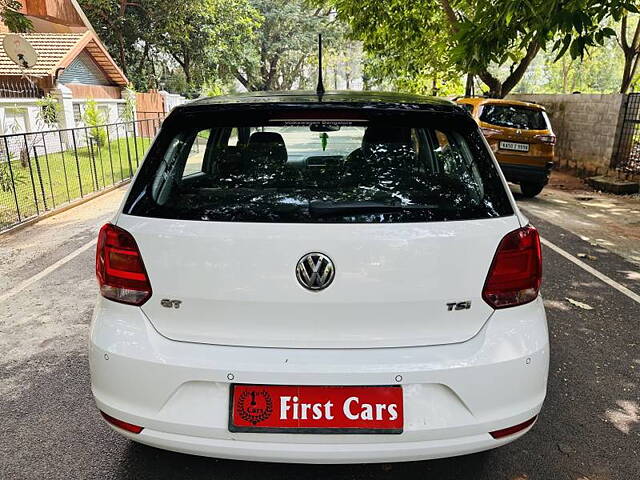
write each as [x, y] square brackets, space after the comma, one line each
[588, 268]
[38, 276]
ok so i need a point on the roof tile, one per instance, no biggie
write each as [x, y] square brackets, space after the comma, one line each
[50, 47]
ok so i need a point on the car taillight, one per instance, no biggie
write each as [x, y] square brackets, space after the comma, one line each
[516, 272]
[549, 139]
[129, 427]
[487, 132]
[505, 432]
[119, 268]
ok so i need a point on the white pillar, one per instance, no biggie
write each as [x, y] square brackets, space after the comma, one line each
[66, 118]
[166, 97]
[64, 96]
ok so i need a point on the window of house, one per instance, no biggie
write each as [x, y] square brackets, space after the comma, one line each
[77, 113]
[104, 113]
[15, 120]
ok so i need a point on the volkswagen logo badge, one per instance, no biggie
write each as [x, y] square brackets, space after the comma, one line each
[315, 271]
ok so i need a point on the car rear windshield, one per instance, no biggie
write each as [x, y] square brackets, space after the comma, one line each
[319, 170]
[514, 117]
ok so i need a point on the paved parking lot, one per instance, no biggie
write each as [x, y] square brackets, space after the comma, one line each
[50, 429]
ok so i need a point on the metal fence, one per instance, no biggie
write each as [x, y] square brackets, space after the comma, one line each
[42, 171]
[627, 154]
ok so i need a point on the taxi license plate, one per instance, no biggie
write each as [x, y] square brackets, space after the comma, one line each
[515, 146]
[315, 409]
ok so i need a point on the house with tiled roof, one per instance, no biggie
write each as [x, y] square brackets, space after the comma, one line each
[78, 60]
[73, 66]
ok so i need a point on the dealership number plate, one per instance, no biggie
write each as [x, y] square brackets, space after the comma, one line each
[315, 409]
[518, 147]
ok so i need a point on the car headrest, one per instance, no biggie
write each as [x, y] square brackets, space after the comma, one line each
[266, 137]
[374, 135]
[270, 144]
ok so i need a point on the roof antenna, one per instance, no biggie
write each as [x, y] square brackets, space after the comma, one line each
[320, 86]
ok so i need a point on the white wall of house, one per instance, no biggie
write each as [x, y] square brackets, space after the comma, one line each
[21, 115]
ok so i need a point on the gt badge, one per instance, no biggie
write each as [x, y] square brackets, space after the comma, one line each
[167, 303]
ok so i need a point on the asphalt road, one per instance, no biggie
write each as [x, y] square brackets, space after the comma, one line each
[50, 428]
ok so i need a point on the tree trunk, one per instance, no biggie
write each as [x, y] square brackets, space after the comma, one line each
[468, 89]
[187, 74]
[123, 61]
[499, 89]
[626, 73]
[631, 54]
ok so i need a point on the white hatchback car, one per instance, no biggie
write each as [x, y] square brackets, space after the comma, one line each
[332, 279]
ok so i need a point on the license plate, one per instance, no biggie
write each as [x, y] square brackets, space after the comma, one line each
[315, 409]
[518, 147]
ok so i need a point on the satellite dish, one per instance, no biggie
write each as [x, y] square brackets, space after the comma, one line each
[19, 50]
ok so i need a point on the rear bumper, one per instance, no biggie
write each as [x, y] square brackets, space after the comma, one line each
[453, 394]
[527, 173]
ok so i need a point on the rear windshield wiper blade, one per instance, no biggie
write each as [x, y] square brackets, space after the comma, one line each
[328, 209]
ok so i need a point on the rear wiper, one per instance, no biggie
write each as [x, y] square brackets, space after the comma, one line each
[328, 209]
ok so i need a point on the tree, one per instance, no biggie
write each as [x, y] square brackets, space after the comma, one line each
[407, 43]
[127, 30]
[15, 21]
[496, 32]
[598, 72]
[477, 36]
[201, 34]
[285, 43]
[150, 39]
[630, 49]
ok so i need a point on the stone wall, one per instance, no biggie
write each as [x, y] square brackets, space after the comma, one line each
[587, 127]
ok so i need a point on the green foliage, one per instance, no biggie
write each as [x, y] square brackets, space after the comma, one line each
[264, 44]
[14, 20]
[94, 118]
[285, 45]
[200, 35]
[493, 32]
[148, 39]
[599, 71]
[212, 88]
[445, 39]
[6, 183]
[49, 110]
[407, 43]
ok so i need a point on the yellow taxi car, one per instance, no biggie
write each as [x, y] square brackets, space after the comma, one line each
[520, 136]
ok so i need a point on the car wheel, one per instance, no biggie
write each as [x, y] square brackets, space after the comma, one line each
[530, 190]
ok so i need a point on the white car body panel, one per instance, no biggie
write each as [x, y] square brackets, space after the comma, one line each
[237, 282]
[453, 394]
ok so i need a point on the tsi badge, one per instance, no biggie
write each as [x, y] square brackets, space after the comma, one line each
[466, 305]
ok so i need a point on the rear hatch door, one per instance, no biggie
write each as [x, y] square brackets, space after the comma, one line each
[408, 206]
[395, 285]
